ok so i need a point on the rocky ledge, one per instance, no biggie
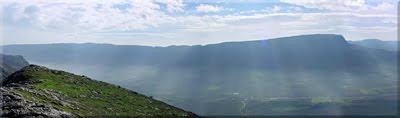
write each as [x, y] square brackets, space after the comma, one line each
[14, 105]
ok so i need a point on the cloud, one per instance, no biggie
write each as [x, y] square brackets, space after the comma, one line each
[229, 18]
[89, 16]
[329, 4]
[294, 9]
[209, 8]
[360, 6]
[276, 8]
[167, 22]
[384, 6]
[273, 9]
[173, 5]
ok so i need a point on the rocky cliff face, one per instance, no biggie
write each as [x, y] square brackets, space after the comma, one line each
[14, 61]
[37, 91]
[9, 64]
[14, 104]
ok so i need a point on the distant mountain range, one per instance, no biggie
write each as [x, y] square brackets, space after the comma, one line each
[377, 44]
[238, 78]
[308, 51]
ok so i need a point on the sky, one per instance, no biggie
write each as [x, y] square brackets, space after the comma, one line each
[191, 22]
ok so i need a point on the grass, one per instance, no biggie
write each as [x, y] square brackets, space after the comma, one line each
[92, 98]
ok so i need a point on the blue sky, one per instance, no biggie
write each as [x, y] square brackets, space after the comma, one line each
[191, 22]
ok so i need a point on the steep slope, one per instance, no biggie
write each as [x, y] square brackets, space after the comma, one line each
[9, 64]
[39, 91]
[377, 44]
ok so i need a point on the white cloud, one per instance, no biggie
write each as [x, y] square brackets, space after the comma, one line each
[249, 11]
[156, 22]
[384, 6]
[173, 5]
[89, 16]
[359, 6]
[209, 8]
[272, 9]
[276, 8]
[329, 4]
[229, 18]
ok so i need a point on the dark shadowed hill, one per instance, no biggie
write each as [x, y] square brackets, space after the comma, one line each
[9, 64]
[37, 91]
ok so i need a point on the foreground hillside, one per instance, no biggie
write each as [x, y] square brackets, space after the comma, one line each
[39, 91]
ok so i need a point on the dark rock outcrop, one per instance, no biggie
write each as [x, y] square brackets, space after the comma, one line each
[14, 105]
[9, 64]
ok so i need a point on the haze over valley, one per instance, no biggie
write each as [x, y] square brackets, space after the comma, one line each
[289, 75]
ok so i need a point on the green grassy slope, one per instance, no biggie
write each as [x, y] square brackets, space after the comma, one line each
[82, 96]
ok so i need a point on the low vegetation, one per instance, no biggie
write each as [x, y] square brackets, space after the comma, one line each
[82, 96]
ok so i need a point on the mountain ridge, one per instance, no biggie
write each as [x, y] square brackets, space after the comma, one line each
[92, 43]
[189, 54]
[377, 44]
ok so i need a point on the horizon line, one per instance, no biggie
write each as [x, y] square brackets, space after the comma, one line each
[250, 40]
